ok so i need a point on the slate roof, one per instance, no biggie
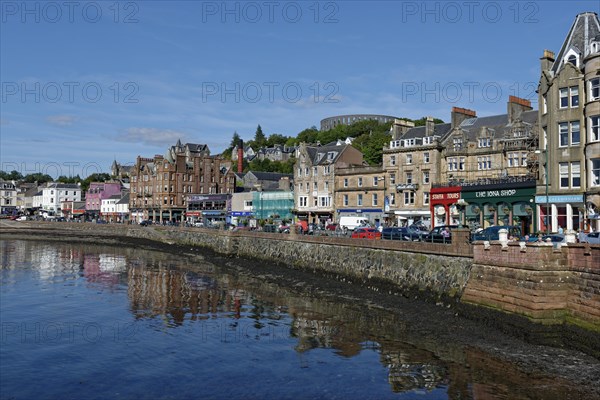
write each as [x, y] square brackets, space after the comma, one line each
[586, 26]
[124, 199]
[498, 123]
[419, 132]
[270, 176]
[318, 154]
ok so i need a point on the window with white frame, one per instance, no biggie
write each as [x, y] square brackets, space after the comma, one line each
[324, 201]
[484, 163]
[315, 171]
[392, 179]
[426, 157]
[575, 174]
[409, 158]
[303, 201]
[544, 104]
[306, 171]
[575, 132]
[315, 185]
[359, 199]
[523, 159]
[569, 133]
[563, 97]
[409, 197]
[461, 163]
[345, 182]
[392, 160]
[595, 128]
[326, 186]
[452, 164]
[409, 177]
[595, 89]
[425, 198]
[595, 172]
[374, 199]
[426, 177]
[359, 182]
[513, 160]
[345, 200]
[393, 199]
[563, 169]
[563, 134]
[484, 142]
[375, 182]
[457, 143]
[574, 96]
[327, 170]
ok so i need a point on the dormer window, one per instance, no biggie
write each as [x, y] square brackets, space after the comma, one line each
[572, 58]
[457, 142]
[484, 142]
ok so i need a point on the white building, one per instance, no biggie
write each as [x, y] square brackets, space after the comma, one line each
[122, 207]
[8, 196]
[51, 196]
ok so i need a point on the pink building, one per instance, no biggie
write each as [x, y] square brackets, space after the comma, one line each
[97, 192]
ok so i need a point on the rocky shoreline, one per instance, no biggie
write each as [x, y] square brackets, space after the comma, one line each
[539, 349]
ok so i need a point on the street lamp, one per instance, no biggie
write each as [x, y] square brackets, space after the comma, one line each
[546, 167]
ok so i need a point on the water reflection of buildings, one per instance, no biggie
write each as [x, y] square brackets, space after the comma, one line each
[176, 294]
[104, 268]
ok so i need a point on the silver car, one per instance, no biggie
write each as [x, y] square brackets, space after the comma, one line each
[591, 238]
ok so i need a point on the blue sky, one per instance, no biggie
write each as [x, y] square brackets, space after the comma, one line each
[87, 82]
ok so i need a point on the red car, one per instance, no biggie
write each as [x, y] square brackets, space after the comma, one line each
[366, 233]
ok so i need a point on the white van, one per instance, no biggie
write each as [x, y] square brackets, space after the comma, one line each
[352, 222]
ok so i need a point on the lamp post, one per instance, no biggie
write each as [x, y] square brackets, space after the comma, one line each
[461, 205]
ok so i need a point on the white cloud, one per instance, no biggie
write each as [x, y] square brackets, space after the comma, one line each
[61, 120]
[151, 136]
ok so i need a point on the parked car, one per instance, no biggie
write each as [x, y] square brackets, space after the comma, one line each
[366, 233]
[555, 238]
[440, 234]
[272, 228]
[493, 232]
[591, 238]
[400, 233]
[22, 218]
[145, 222]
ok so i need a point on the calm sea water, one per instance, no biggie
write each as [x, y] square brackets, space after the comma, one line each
[87, 322]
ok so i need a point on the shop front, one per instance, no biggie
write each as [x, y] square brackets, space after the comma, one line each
[488, 205]
[443, 209]
[560, 211]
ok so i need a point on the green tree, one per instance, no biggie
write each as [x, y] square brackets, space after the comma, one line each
[259, 137]
[275, 139]
[235, 140]
[421, 122]
[11, 176]
[37, 177]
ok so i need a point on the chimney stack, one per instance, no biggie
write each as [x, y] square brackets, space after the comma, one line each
[547, 60]
[429, 126]
[516, 106]
[240, 158]
[400, 127]
[461, 114]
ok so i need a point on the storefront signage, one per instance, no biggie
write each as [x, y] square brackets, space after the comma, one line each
[496, 193]
[445, 196]
[209, 197]
[575, 198]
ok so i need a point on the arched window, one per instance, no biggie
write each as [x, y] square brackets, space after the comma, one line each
[572, 59]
